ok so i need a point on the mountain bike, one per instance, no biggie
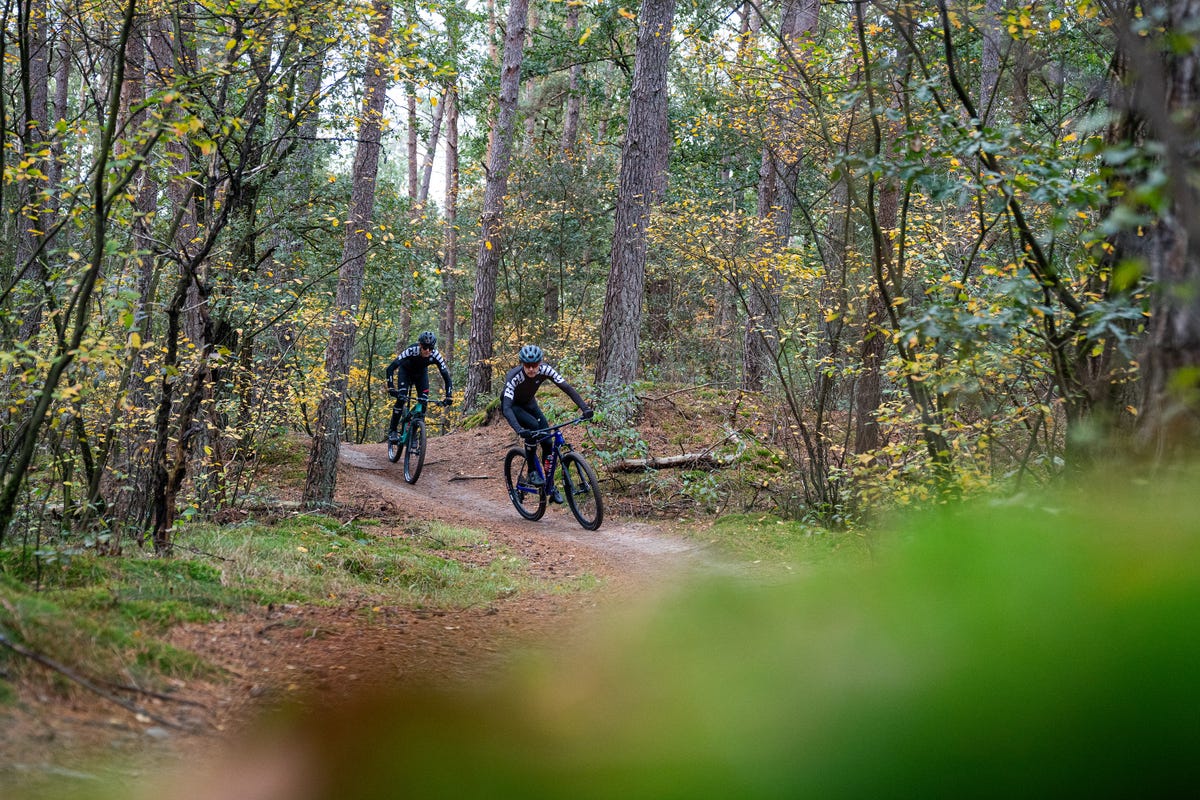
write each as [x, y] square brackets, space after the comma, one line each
[409, 439]
[580, 487]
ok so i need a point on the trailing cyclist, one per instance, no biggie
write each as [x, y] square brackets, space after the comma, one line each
[519, 406]
[411, 368]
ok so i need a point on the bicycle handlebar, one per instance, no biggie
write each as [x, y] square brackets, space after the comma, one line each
[542, 432]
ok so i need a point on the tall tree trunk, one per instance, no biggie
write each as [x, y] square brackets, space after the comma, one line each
[439, 111]
[531, 86]
[993, 34]
[450, 262]
[321, 480]
[570, 131]
[410, 97]
[640, 185]
[483, 306]
[778, 172]
[35, 88]
[1165, 93]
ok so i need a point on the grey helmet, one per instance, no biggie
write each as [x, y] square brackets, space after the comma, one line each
[427, 339]
[530, 354]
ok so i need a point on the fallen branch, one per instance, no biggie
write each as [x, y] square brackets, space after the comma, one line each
[647, 399]
[684, 460]
[470, 477]
[704, 459]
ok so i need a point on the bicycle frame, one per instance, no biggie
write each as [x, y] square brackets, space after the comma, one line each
[558, 446]
[414, 408]
[557, 443]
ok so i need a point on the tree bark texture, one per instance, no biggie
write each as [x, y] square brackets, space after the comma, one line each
[640, 185]
[571, 114]
[778, 172]
[1165, 92]
[991, 27]
[322, 461]
[31, 255]
[450, 262]
[487, 264]
[435, 132]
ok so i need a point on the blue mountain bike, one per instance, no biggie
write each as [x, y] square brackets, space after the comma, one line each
[580, 487]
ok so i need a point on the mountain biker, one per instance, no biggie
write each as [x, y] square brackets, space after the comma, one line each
[520, 408]
[411, 368]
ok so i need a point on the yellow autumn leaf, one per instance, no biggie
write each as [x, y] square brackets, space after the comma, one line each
[135, 340]
[626, 14]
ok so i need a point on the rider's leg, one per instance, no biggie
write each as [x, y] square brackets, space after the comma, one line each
[542, 422]
[529, 420]
[398, 408]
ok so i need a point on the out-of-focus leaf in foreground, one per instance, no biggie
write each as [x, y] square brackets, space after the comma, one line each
[1051, 649]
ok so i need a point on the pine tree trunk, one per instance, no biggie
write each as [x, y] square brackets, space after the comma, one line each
[483, 306]
[331, 412]
[778, 172]
[640, 185]
[450, 263]
[439, 111]
[1165, 92]
[570, 131]
[31, 255]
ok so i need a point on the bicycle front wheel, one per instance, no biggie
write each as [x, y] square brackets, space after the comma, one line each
[583, 491]
[414, 453]
[530, 501]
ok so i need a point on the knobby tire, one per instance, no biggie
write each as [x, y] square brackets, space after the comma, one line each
[582, 491]
[414, 450]
[530, 503]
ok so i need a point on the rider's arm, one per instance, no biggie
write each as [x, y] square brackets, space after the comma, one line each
[445, 370]
[567, 388]
[507, 395]
[391, 372]
[506, 408]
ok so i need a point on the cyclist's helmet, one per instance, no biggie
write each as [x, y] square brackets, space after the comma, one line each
[530, 354]
[427, 339]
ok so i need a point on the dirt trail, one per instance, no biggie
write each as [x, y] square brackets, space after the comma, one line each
[318, 655]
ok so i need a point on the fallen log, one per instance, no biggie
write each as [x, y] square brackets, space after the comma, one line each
[682, 461]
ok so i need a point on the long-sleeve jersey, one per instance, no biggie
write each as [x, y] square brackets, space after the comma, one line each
[413, 364]
[520, 390]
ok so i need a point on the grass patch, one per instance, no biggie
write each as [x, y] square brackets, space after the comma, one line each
[314, 559]
[769, 539]
[111, 613]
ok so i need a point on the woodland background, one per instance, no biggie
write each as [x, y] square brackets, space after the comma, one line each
[921, 250]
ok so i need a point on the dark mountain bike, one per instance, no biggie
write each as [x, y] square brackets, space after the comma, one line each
[579, 484]
[409, 439]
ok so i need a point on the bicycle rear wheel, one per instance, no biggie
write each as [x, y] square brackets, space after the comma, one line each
[583, 491]
[414, 453]
[395, 447]
[530, 501]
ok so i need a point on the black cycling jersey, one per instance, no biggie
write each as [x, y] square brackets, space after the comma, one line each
[519, 391]
[413, 366]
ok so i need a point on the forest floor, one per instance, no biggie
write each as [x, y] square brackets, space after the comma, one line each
[318, 655]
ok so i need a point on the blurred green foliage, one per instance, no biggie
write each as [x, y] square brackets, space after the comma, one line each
[1041, 648]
